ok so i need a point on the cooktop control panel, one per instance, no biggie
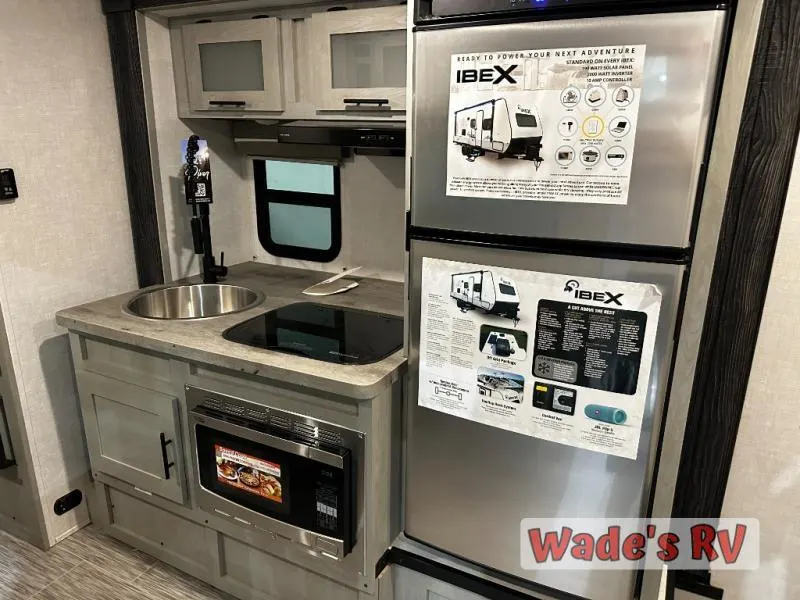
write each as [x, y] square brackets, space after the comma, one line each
[462, 8]
[346, 336]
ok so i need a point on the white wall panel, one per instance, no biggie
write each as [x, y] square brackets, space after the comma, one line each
[67, 239]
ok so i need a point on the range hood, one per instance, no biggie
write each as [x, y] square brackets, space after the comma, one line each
[352, 134]
[319, 139]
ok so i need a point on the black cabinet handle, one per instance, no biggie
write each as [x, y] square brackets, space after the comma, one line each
[231, 103]
[164, 443]
[374, 101]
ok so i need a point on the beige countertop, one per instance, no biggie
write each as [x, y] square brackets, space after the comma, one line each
[201, 340]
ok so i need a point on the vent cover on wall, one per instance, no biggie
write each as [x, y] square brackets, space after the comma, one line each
[6, 450]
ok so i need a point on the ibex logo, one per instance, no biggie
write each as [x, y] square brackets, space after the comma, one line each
[605, 297]
[496, 75]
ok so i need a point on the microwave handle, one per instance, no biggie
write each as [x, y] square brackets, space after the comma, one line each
[165, 459]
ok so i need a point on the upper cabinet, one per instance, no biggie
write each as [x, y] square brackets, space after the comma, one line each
[295, 63]
[360, 59]
[234, 65]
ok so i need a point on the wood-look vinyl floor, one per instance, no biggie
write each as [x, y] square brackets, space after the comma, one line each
[91, 566]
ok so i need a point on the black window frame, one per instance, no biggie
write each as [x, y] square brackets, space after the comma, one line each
[527, 116]
[265, 196]
[513, 291]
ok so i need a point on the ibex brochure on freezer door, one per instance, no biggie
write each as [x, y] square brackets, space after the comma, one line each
[547, 125]
[556, 357]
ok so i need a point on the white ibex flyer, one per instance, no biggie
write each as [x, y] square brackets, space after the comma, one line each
[547, 125]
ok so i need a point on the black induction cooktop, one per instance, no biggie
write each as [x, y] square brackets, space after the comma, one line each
[333, 334]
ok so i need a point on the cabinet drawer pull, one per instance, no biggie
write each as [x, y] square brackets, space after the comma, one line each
[229, 103]
[367, 104]
[167, 465]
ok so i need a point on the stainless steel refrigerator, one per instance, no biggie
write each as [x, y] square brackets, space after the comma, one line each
[557, 161]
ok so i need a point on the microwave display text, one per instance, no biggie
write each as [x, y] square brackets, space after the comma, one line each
[253, 475]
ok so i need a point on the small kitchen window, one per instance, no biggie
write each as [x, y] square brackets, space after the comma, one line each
[298, 209]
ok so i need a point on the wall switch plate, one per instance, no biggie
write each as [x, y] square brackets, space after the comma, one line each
[8, 185]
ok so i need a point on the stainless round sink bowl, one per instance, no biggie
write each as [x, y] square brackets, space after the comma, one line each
[193, 301]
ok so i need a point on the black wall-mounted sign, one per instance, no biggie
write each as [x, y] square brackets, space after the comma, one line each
[8, 185]
[197, 172]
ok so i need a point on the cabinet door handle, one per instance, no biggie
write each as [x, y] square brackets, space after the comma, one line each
[230, 103]
[165, 459]
[378, 101]
[366, 104]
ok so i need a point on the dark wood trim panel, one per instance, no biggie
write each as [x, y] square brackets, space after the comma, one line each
[141, 4]
[751, 222]
[688, 582]
[127, 69]
[112, 6]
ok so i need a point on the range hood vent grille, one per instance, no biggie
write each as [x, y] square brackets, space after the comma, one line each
[319, 139]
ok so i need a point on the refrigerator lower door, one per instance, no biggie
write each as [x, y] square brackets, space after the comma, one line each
[469, 484]
[408, 584]
[665, 152]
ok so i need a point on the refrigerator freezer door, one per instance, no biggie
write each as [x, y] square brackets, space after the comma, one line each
[681, 65]
[469, 485]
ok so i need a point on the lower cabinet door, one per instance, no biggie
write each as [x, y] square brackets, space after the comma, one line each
[133, 434]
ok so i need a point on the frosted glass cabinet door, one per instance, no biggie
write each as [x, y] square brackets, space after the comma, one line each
[361, 56]
[234, 65]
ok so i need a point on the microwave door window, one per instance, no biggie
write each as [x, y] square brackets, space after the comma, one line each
[254, 476]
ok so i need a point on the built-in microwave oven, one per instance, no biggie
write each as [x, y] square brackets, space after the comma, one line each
[284, 473]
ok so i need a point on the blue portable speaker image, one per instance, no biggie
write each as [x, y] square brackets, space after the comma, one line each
[607, 414]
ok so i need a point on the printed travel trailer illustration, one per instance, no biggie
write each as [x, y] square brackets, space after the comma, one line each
[499, 385]
[495, 295]
[493, 127]
[503, 344]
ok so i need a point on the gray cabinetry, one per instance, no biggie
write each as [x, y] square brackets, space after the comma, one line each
[234, 65]
[133, 434]
[131, 395]
[361, 57]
